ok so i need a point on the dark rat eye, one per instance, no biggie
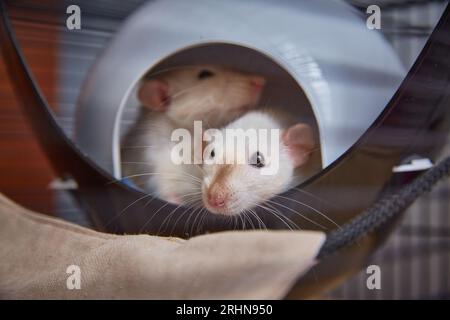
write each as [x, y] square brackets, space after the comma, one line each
[213, 154]
[257, 160]
[205, 74]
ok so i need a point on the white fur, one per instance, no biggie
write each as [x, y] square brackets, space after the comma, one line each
[244, 184]
[216, 100]
[167, 180]
[147, 147]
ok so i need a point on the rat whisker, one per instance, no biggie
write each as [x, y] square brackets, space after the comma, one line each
[150, 201]
[269, 207]
[192, 176]
[246, 214]
[169, 216]
[202, 220]
[181, 92]
[198, 212]
[127, 207]
[235, 222]
[151, 218]
[313, 196]
[193, 193]
[191, 206]
[190, 214]
[312, 208]
[197, 215]
[199, 167]
[242, 221]
[260, 222]
[299, 214]
[275, 215]
[165, 175]
[134, 202]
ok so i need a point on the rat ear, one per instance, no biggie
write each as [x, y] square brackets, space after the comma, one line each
[300, 141]
[154, 94]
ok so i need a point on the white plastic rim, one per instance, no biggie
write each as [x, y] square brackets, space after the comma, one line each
[347, 71]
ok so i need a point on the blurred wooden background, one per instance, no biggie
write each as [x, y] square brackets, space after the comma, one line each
[25, 173]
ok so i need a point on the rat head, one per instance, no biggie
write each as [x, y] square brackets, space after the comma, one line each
[238, 177]
[211, 93]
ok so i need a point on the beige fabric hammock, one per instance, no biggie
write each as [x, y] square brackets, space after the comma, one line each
[36, 252]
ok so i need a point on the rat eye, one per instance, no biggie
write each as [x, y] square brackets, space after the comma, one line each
[213, 154]
[205, 74]
[257, 160]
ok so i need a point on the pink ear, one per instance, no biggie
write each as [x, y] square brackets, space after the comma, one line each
[154, 94]
[300, 141]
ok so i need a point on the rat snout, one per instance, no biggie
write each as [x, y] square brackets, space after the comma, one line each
[217, 199]
[217, 196]
[257, 83]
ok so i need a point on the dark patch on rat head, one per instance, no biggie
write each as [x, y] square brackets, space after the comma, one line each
[204, 74]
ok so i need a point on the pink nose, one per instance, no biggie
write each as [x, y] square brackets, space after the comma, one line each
[216, 200]
[258, 82]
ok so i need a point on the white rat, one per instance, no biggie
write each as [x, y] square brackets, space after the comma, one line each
[214, 94]
[175, 99]
[231, 188]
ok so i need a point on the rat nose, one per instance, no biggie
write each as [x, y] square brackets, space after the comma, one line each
[217, 199]
[257, 82]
